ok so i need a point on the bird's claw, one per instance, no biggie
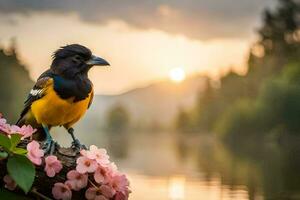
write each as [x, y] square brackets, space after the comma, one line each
[49, 146]
[77, 145]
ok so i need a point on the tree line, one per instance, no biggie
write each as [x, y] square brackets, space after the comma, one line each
[266, 101]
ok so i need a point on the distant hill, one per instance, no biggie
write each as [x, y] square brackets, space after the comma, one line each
[154, 106]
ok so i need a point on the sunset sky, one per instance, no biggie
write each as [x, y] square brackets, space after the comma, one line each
[143, 40]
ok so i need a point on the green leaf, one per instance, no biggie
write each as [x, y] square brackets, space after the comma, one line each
[22, 171]
[19, 151]
[15, 140]
[3, 154]
[5, 194]
[5, 142]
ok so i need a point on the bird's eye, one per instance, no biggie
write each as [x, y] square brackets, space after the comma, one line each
[76, 59]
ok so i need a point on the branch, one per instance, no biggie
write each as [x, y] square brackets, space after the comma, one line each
[42, 186]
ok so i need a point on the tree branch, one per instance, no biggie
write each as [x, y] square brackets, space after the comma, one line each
[42, 186]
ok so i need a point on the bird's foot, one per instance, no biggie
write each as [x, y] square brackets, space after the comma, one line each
[77, 145]
[49, 146]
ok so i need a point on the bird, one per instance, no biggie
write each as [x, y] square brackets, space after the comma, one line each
[61, 94]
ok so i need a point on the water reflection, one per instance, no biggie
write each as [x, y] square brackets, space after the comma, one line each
[263, 168]
[166, 166]
[118, 144]
[177, 188]
[180, 188]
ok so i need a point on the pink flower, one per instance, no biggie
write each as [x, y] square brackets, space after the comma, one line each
[10, 184]
[112, 168]
[101, 175]
[25, 131]
[86, 165]
[14, 129]
[121, 196]
[120, 183]
[104, 174]
[83, 152]
[107, 191]
[77, 180]
[94, 194]
[99, 155]
[61, 191]
[4, 127]
[53, 166]
[34, 152]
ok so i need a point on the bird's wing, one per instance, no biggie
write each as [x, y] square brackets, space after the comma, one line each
[91, 98]
[37, 92]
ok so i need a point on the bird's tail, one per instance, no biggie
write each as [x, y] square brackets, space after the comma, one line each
[40, 134]
[20, 122]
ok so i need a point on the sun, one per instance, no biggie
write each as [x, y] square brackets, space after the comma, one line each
[177, 74]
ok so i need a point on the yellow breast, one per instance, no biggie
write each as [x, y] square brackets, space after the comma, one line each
[54, 111]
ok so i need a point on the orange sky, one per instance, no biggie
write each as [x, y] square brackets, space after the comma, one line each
[137, 56]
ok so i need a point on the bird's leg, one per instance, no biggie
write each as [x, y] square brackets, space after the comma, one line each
[76, 143]
[49, 144]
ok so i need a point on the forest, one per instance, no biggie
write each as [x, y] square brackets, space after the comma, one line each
[15, 83]
[264, 103]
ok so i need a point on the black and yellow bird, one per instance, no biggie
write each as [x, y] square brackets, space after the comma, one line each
[62, 94]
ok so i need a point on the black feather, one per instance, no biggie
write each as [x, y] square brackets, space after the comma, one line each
[69, 73]
[67, 88]
[71, 50]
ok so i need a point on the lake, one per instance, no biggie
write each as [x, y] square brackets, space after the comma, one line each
[168, 166]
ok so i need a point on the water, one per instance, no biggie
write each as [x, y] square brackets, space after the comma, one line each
[167, 166]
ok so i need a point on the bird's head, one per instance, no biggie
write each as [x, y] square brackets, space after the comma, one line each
[72, 60]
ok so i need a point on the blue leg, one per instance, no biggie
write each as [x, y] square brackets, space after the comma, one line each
[76, 143]
[46, 129]
[49, 144]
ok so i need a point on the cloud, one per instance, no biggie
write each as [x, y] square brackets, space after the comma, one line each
[137, 57]
[199, 19]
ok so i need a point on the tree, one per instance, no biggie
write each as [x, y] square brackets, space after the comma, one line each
[280, 31]
[236, 105]
[183, 121]
[117, 119]
[15, 83]
[205, 108]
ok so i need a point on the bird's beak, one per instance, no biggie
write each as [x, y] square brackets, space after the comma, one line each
[95, 60]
